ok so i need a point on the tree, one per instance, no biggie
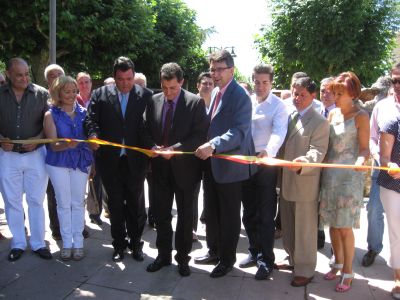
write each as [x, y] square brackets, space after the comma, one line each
[92, 33]
[326, 37]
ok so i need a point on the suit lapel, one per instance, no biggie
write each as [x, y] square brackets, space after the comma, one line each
[222, 103]
[179, 110]
[302, 122]
[115, 103]
[158, 109]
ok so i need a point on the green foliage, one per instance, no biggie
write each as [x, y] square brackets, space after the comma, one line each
[92, 33]
[326, 37]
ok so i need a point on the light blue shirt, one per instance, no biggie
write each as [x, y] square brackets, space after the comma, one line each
[269, 124]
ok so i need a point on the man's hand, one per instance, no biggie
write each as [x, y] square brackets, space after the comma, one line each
[6, 146]
[93, 146]
[298, 168]
[166, 155]
[204, 151]
[156, 148]
[394, 173]
[263, 153]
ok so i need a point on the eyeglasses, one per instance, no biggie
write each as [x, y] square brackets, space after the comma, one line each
[218, 70]
[207, 83]
[394, 81]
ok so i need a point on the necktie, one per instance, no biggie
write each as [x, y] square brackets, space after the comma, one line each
[326, 112]
[216, 103]
[124, 103]
[292, 123]
[168, 122]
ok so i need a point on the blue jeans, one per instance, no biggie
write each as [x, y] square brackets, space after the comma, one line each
[375, 216]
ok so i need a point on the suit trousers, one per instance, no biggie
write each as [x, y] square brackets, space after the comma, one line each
[259, 209]
[165, 188]
[70, 188]
[222, 215]
[299, 226]
[19, 174]
[126, 205]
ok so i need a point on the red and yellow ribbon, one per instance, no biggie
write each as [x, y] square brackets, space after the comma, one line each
[267, 161]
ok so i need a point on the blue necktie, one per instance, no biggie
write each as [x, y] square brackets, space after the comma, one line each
[124, 103]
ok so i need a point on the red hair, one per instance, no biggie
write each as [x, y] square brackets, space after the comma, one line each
[347, 81]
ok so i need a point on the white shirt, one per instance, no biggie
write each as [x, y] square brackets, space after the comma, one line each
[269, 124]
[384, 111]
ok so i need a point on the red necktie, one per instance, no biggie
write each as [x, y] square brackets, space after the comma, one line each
[216, 103]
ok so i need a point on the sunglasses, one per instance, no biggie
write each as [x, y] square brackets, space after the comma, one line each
[394, 81]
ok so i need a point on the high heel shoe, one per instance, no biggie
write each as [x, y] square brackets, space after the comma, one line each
[331, 275]
[341, 287]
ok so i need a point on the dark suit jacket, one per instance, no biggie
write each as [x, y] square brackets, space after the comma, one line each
[104, 119]
[188, 131]
[230, 132]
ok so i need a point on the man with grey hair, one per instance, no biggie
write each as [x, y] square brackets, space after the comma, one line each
[22, 109]
[52, 72]
[140, 79]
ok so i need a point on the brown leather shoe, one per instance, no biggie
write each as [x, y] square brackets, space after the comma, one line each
[301, 281]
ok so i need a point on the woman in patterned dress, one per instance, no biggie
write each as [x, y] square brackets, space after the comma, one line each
[341, 192]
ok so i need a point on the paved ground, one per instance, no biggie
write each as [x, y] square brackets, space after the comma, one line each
[97, 276]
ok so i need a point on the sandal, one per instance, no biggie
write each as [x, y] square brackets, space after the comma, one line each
[396, 292]
[66, 254]
[332, 274]
[341, 287]
[78, 254]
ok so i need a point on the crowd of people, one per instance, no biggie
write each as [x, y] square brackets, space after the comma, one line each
[298, 200]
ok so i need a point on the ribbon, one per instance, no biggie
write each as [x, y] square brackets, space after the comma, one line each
[267, 161]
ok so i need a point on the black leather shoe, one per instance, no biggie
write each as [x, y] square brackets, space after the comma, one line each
[137, 252]
[118, 255]
[263, 272]
[184, 270]
[208, 259]
[249, 261]
[15, 254]
[44, 253]
[369, 258]
[157, 264]
[95, 219]
[220, 270]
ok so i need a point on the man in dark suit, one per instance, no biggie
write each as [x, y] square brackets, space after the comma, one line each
[176, 120]
[115, 114]
[229, 133]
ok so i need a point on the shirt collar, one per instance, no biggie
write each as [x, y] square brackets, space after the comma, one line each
[303, 112]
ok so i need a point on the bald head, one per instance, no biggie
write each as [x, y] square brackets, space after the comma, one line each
[17, 71]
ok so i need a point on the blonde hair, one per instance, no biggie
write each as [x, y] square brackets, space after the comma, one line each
[58, 84]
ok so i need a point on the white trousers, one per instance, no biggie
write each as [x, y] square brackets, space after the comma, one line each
[19, 174]
[69, 187]
[391, 203]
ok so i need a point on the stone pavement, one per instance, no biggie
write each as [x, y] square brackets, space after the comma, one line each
[97, 276]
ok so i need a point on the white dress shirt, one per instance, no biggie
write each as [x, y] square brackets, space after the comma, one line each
[269, 124]
[384, 111]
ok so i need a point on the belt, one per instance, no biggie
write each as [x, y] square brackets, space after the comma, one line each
[17, 148]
